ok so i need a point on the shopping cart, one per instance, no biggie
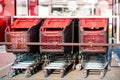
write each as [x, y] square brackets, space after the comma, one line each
[28, 58]
[93, 30]
[57, 57]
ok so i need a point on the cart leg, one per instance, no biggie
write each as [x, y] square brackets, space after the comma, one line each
[109, 68]
[43, 66]
[11, 73]
[62, 73]
[28, 73]
[73, 67]
[102, 74]
[78, 67]
[85, 73]
[46, 73]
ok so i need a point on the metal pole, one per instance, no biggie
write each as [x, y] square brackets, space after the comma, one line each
[118, 28]
[61, 44]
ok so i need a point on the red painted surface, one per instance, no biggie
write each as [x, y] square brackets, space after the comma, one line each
[9, 8]
[2, 5]
[6, 9]
[2, 28]
[4, 22]
[33, 8]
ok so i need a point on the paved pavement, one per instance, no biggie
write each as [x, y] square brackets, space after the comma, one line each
[6, 58]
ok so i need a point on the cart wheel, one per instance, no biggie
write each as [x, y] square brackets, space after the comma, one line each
[18, 71]
[62, 73]
[32, 71]
[78, 67]
[21, 70]
[36, 69]
[28, 73]
[11, 73]
[46, 73]
[102, 74]
[49, 71]
[85, 74]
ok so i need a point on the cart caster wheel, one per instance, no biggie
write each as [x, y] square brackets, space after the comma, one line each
[11, 73]
[85, 74]
[102, 74]
[78, 67]
[46, 73]
[62, 73]
[20, 70]
[33, 71]
[28, 73]
[17, 71]
[49, 71]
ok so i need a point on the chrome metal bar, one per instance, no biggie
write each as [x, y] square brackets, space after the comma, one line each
[62, 44]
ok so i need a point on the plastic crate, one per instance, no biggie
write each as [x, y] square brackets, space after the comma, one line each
[23, 30]
[56, 30]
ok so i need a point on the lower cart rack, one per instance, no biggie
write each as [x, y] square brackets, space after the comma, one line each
[95, 63]
[29, 64]
[56, 65]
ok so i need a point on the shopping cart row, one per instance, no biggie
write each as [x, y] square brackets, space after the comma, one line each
[30, 58]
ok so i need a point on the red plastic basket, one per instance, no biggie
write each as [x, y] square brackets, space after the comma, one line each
[53, 31]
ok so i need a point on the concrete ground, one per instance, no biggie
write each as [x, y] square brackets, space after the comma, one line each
[6, 60]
